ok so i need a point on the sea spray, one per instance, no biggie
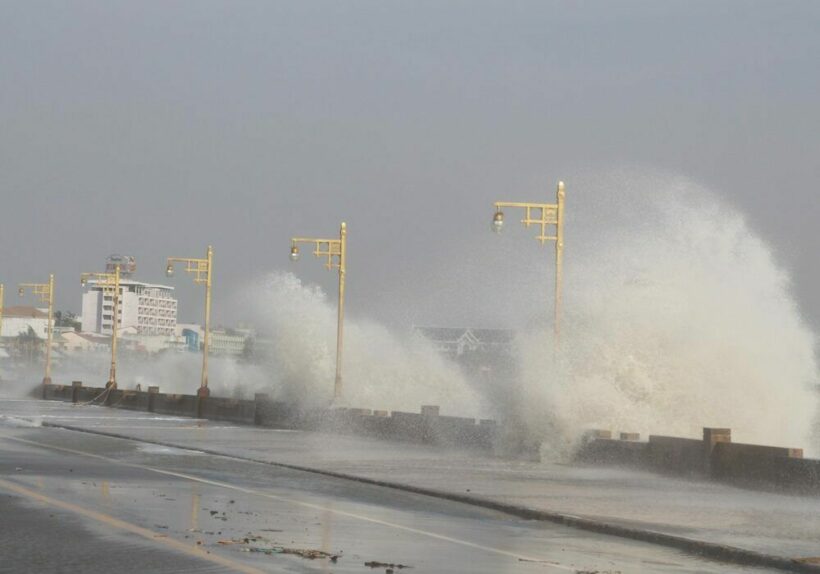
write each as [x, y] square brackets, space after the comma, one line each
[294, 359]
[381, 369]
[677, 317]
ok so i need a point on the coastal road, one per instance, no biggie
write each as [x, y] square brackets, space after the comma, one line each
[78, 502]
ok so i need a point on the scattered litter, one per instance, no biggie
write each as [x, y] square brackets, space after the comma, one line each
[301, 552]
[310, 554]
[267, 551]
[18, 469]
[160, 526]
[214, 512]
[374, 564]
[228, 541]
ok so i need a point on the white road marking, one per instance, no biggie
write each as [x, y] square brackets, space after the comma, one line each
[155, 537]
[302, 503]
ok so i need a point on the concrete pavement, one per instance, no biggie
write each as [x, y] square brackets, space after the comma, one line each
[533, 484]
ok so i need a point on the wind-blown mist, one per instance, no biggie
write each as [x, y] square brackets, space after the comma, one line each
[296, 358]
[677, 317]
[381, 370]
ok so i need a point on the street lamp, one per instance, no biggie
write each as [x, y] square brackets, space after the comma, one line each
[542, 215]
[110, 283]
[1, 311]
[331, 248]
[201, 270]
[45, 291]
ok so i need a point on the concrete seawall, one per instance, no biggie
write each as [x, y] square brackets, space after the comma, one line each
[426, 427]
[715, 457]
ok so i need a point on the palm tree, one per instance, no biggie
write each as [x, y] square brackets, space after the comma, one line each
[28, 346]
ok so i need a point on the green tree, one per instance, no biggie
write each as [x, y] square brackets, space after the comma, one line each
[28, 346]
[66, 319]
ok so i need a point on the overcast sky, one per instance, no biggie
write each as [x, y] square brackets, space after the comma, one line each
[155, 128]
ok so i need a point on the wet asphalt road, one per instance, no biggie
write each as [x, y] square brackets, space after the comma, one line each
[75, 502]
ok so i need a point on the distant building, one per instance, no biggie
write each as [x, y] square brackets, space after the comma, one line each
[144, 308]
[456, 341]
[483, 354]
[82, 342]
[150, 309]
[229, 342]
[18, 320]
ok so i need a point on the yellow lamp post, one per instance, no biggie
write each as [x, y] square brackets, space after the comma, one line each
[542, 215]
[110, 283]
[202, 272]
[1, 311]
[45, 291]
[336, 252]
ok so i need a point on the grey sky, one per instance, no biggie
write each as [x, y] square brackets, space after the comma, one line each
[154, 128]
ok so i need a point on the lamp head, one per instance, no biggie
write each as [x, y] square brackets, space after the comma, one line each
[83, 281]
[498, 221]
[20, 291]
[169, 270]
[294, 253]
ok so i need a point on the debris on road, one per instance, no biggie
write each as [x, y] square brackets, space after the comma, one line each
[375, 564]
[260, 545]
[301, 552]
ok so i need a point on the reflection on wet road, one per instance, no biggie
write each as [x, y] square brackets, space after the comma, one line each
[165, 509]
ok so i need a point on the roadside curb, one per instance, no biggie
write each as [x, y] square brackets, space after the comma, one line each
[718, 552]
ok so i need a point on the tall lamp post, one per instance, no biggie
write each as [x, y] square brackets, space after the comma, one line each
[542, 215]
[335, 250]
[110, 283]
[1, 311]
[201, 270]
[45, 291]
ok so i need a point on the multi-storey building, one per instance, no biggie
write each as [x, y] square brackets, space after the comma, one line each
[144, 308]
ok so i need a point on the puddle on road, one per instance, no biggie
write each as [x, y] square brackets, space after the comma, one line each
[168, 450]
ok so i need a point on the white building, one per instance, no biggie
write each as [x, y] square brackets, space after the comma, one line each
[228, 342]
[17, 320]
[72, 342]
[147, 309]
